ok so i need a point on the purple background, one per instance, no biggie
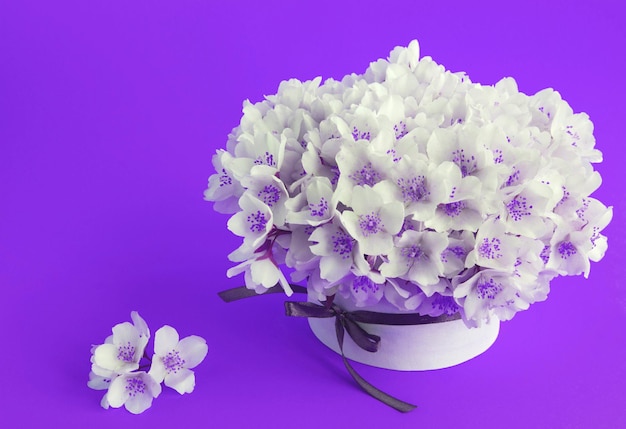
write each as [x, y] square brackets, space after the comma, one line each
[109, 115]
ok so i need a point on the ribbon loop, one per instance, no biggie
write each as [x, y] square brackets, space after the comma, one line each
[360, 336]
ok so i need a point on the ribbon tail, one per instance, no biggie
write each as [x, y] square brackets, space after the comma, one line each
[237, 293]
[374, 392]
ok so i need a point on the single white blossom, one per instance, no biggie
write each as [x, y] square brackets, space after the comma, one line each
[135, 391]
[174, 359]
[416, 256]
[122, 351]
[253, 222]
[373, 221]
[314, 206]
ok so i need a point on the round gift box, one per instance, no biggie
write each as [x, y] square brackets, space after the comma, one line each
[410, 347]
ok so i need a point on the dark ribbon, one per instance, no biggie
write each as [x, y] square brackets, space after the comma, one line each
[348, 321]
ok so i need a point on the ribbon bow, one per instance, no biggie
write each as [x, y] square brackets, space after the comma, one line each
[348, 321]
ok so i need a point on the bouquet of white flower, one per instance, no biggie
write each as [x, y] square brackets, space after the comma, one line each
[412, 185]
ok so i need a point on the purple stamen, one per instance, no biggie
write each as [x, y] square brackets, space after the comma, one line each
[269, 195]
[257, 221]
[370, 224]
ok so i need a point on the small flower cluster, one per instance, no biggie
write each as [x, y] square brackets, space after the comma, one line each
[413, 185]
[116, 365]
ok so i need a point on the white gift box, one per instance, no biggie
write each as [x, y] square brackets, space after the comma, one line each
[411, 347]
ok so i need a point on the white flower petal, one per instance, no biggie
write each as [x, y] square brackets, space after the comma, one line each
[125, 333]
[140, 324]
[117, 394]
[105, 357]
[98, 382]
[182, 381]
[104, 402]
[193, 350]
[165, 340]
[138, 404]
[157, 369]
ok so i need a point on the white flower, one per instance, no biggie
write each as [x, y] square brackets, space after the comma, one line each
[525, 212]
[359, 165]
[418, 185]
[489, 292]
[493, 247]
[439, 304]
[174, 359]
[462, 206]
[462, 145]
[223, 188]
[123, 350]
[263, 185]
[253, 222]
[416, 256]
[455, 255]
[261, 274]
[134, 390]
[373, 221]
[299, 253]
[338, 251]
[366, 289]
[316, 205]
[403, 294]
[260, 148]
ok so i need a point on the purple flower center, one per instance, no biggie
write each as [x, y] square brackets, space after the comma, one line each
[320, 209]
[394, 155]
[457, 251]
[582, 210]
[135, 386]
[366, 175]
[595, 236]
[413, 189]
[173, 362]
[513, 178]
[257, 221]
[412, 252]
[490, 249]
[498, 156]
[566, 249]
[400, 130]
[566, 195]
[453, 209]
[445, 304]
[364, 284]
[265, 159]
[360, 135]
[518, 207]
[488, 289]
[370, 224]
[342, 244]
[126, 352]
[269, 195]
[467, 164]
[225, 179]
